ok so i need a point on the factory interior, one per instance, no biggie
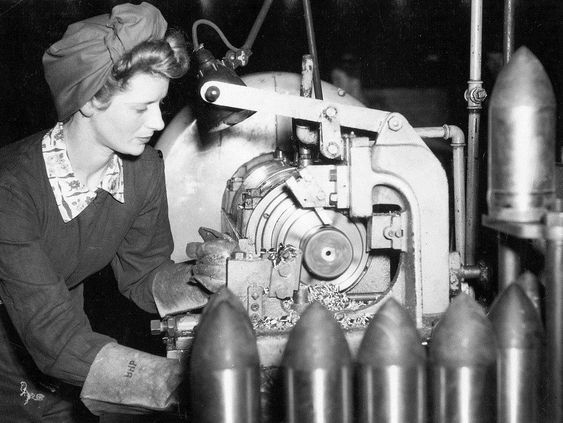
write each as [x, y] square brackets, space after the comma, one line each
[391, 171]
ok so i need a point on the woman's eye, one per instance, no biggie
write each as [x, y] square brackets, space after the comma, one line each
[141, 109]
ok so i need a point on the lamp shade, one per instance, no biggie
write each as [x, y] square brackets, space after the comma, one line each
[212, 118]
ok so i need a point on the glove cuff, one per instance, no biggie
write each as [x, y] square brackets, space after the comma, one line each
[125, 380]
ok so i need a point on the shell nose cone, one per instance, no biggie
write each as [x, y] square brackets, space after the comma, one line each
[224, 338]
[464, 336]
[515, 319]
[391, 339]
[316, 342]
[523, 81]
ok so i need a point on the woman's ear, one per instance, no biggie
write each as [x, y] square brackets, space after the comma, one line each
[92, 106]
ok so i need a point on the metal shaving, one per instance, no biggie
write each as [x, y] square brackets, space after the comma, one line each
[328, 295]
[283, 254]
[354, 322]
[282, 323]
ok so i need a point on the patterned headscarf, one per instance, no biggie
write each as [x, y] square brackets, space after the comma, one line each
[78, 65]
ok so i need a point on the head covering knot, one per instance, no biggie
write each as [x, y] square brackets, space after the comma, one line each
[78, 65]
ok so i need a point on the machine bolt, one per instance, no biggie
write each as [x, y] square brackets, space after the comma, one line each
[395, 123]
[212, 94]
[330, 112]
[255, 307]
[157, 327]
[332, 149]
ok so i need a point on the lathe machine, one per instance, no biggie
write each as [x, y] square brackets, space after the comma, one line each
[329, 201]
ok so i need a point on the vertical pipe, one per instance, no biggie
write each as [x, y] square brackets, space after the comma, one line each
[305, 133]
[508, 33]
[312, 49]
[257, 24]
[459, 194]
[472, 186]
[554, 316]
[474, 96]
[458, 150]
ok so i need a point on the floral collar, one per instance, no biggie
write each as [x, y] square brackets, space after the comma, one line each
[71, 195]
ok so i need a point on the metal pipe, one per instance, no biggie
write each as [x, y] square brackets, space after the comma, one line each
[257, 25]
[457, 138]
[474, 95]
[476, 39]
[312, 49]
[472, 190]
[306, 133]
[508, 30]
[554, 316]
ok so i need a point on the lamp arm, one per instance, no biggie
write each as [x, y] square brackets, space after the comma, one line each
[257, 25]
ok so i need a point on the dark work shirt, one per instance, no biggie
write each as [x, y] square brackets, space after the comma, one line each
[44, 260]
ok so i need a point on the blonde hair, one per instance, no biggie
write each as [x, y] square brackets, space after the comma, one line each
[167, 58]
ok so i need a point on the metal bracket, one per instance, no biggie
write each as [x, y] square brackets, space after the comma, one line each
[255, 304]
[385, 230]
[331, 145]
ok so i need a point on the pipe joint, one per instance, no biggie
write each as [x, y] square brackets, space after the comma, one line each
[475, 94]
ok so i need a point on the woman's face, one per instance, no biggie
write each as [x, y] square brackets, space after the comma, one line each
[128, 124]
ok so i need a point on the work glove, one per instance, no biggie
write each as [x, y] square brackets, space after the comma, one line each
[174, 292]
[128, 381]
[210, 269]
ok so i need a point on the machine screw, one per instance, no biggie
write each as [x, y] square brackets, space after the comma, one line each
[254, 307]
[330, 112]
[157, 327]
[395, 123]
[212, 94]
[332, 149]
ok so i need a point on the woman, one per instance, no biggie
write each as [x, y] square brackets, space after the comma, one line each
[88, 192]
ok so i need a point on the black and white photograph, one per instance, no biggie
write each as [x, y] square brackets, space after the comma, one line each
[281, 211]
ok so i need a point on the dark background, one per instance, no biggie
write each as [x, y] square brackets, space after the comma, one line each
[401, 43]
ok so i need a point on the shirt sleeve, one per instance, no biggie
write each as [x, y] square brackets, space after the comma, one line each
[148, 244]
[48, 317]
